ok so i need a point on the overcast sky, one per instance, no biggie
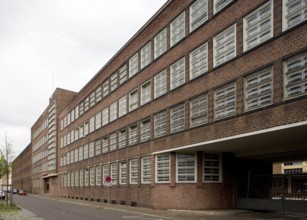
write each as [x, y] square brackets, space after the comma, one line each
[45, 44]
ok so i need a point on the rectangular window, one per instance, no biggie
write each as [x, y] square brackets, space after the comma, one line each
[114, 81]
[160, 43]
[76, 178]
[72, 156]
[105, 116]
[133, 65]
[86, 128]
[105, 145]
[76, 134]
[224, 46]
[177, 118]
[145, 93]
[81, 173]
[258, 89]
[123, 74]
[114, 173]
[146, 55]
[199, 61]
[133, 100]
[122, 106]
[98, 147]
[72, 176]
[225, 101]
[134, 171]
[146, 170]
[123, 172]
[220, 4]
[258, 26]
[98, 175]
[212, 167]
[92, 124]
[76, 155]
[160, 124]
[198, 14]
[72, 115]
[186, 168]
[113, 141]
[105, 172]
[163, 162]
[81, 131]
[199, 110]
[145, 130]
[113, 111]
[295, 76]
[85, 153]
[160, 84]
[294, 12]
[98, 120]
[86, 177]
[81, 153]
[81, 108]
[92, 176]
[177, 74]
[91, 149]
[105, 88]
[68, 179]
[86, 104]
[98, 94]
[77, 112]
[122, 138]
[177, 29]
[133, 134]
[92, 99]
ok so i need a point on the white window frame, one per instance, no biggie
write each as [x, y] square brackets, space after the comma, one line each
[225, 101]
[113, 141]
[85, 152]
[146, 92]
[133, 134]
[160, 84]
[106, 88]
[98, 147]
[113, 173]
[177, 29]
[145, 130]
[92, 176]
[198, 14]
[177, 118]
[297, 13]
[113, 111]
[134, 171]
[133, 100]
[122, 138]
[92, 124]
[123, 74]
[199, 61]
[184, 164]
[114, 81]
[98, 93]
[105, 145]
[81, 179]
[122, 106]
[98, 122]
[146, 170]
[199, 110]
[218, 5]
[134, 65]
[81, 153]
[146, 55]
[105, 116]
[177, 74]
[160, 124]
[160, 43]
[86, 176]
[98, 175]
[163, 168]
[91, 149]
[123, 172]
[106, 172]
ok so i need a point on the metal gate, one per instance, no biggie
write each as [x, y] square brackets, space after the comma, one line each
[287, 193]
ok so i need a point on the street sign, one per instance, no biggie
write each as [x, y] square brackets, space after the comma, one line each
[108, 181]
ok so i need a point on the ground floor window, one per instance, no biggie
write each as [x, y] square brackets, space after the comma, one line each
[212, 167]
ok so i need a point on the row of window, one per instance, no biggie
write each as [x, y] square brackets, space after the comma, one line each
[139, 171]
[40, 129]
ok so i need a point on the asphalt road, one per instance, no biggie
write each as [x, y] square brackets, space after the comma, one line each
[51, 209]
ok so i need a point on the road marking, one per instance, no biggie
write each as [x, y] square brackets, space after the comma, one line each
[141, 217]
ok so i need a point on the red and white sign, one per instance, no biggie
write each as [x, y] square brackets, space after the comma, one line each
[108, 181]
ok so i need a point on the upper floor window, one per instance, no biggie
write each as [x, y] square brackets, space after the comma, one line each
[225, 101]
[199, 61]
[258, 89]
[105, 87]
[113, 141]
[295, 76]
[199, 110]
[105, 116]
[98, 147]
[258, 26]
[294, 12]
[114, 81]
[220, 4]
[98, 94]
[123, 74]
[133, 134]
[224, 46]
[133, 100]
[122, 106]
[160, 43]
[177, 119]
[177, 29]
[146, 55]
[160, 84]
[145, 130]
[177, 74]
[122, 138]
[113, 111]
[198, 14]
[133, 65]
[105, 144]
[146, 93]
[160, 124]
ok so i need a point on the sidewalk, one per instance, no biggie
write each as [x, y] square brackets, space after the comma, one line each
[233, 214]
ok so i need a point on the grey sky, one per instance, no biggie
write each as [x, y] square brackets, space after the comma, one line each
[45, 44]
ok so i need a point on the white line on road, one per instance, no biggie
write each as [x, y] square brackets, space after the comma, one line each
[141, 217]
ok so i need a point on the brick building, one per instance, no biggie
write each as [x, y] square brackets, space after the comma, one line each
[204, 92]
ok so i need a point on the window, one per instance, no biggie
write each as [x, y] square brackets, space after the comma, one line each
[105, 145]
[199, 110]
[186, 168]
[81, 172]
[123, 172]
[145, 93]
[105, 87]
[76, 134]
[92, 99]
[212, 167]
[86, 177]
[177, 74]
[98, 120]
[146, 169]
[77, 112]
[92, 124]
[134, 171]
[145, 130]
[85, 154]
[105, 172]
[160, 84]
[72, 176]
[199, 61]
[177, 29]
[160, 43]
[113, 111]
[163, 168]
[122, 106]
[258, 26]
[86, 128]
[81, 108]
[122, 138]
[72, 114]
[293, 171]
[81, 131]
[98, 147]
[123, 74]
[113, 141]
[86, 104]
[133, 134]
[114, 173]
[198, 14]
[114, 82]
[220, 4]
[68, 179]
[294, 13]
[133, 65]
[160, 124]
[177, 118]
[295, 76]
[98, 175]
[76, 155]
[98, 94]
[105, 116]
[91, 149]
[76, 178]
[225, 101]
[146, 55]
[80, 153]
[224, 46]
[258, 89]
[133, 100]
[92, 176]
